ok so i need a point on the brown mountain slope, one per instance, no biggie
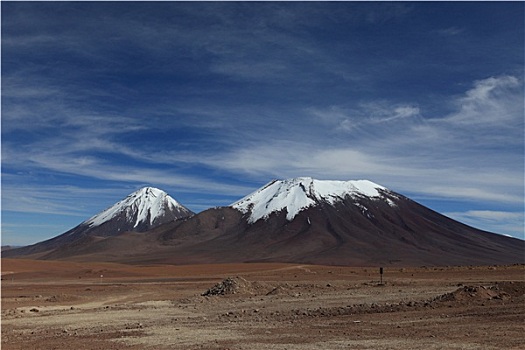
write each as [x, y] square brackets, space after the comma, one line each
[408, 234]
[359, 232]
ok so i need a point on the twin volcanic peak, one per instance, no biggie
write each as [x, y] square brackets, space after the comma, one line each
[150, 207]
[300, 220]
[297, 194]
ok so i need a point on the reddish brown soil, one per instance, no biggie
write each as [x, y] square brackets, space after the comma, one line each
[65, 305]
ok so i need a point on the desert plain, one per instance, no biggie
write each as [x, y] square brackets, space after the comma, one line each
[74, 305]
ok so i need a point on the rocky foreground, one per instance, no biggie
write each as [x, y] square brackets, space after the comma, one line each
[260, 306]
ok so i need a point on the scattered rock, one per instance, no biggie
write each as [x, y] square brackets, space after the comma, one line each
[472, 293]
[282, 289]
[231, 285]
[61, 298]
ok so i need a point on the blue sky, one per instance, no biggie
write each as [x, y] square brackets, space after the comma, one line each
[211, 100]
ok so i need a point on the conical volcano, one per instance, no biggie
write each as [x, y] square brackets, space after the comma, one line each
[140, 211]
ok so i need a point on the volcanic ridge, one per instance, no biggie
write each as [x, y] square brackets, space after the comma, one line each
[299, 220]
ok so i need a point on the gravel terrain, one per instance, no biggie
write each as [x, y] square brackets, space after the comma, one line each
[62, 305]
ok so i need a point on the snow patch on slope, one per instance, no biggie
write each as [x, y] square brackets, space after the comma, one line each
[298, 194]
[144, 205]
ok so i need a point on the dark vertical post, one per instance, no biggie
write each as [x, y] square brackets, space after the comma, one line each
[381, 274]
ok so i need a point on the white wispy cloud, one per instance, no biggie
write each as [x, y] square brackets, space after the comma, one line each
[411, 153]
[365, 115]
[268, 71]
[408, 175]
[403, 156]
[96, 168]
[492, 215]
[491, 101]
[55, 199]
[26, 233]
[450, 31]
[492, 220]
[222, 92]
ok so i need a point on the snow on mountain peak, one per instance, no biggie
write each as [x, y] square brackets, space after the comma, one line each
[142, 206]
[300, 193]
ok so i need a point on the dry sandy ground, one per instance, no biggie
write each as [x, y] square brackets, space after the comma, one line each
[63, 305]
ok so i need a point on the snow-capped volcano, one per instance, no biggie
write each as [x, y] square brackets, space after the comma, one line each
[297, 194]
[305, 221]
[142, 209]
